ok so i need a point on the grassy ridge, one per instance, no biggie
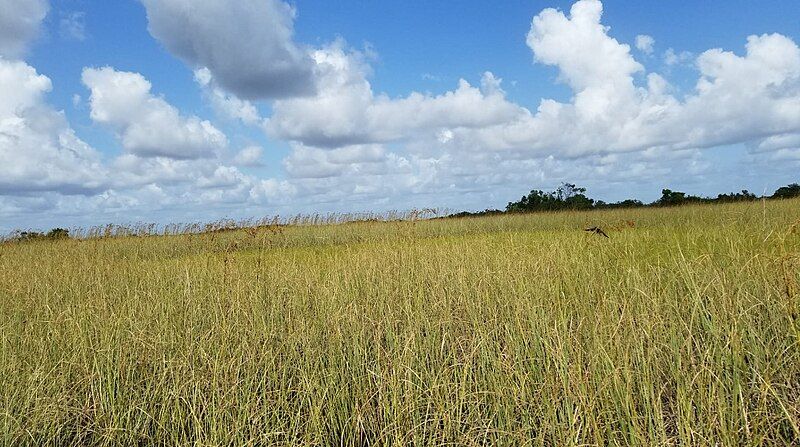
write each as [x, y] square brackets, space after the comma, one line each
[509, 330]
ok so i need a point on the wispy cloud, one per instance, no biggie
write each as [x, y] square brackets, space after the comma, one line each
[72, 25]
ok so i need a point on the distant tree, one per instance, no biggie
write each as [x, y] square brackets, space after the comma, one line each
[486, 212]
[57, 233]
[672, 198]
[627, 203]
[573, 197]
[787, 192]
[743, 196]
[536, 200]
[566, 196]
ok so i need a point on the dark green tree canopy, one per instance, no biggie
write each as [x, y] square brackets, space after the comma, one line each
[786, 192]
[569, 196]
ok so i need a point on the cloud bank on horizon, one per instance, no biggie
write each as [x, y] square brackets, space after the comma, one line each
[358, 148]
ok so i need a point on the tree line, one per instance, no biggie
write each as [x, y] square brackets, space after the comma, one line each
[568, 196]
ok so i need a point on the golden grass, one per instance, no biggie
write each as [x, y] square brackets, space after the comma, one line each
[681, 329]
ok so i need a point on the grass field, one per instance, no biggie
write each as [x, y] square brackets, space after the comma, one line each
[680, 329]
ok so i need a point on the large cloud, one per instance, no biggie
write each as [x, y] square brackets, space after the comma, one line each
[147, 125]
[46, 168]
[38, 149]
[587, 57]
[19, 24]
[246, 44]
[598, 68]
[346, 111]
[739, 98]
[48, 176]
[736, 100]
[181, 157]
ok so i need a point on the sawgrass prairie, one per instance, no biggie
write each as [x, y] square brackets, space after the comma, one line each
[681, 328]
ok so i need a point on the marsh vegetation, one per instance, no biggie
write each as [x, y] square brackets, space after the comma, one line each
[681, 328]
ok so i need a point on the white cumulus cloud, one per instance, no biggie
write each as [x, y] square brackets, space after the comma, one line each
[346, 111]
[146, 124]
[39, 151]
[737, 99]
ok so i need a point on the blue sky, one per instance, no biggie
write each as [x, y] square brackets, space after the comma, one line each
[365, 110]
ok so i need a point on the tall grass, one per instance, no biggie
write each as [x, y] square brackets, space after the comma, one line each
[143, 229]
[509, 330]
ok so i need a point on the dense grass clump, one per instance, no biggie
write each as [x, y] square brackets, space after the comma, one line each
[680, 329]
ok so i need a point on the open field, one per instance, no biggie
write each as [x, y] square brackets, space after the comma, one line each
[681, 329]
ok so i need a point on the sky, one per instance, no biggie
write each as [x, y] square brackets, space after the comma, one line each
[195, 110]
